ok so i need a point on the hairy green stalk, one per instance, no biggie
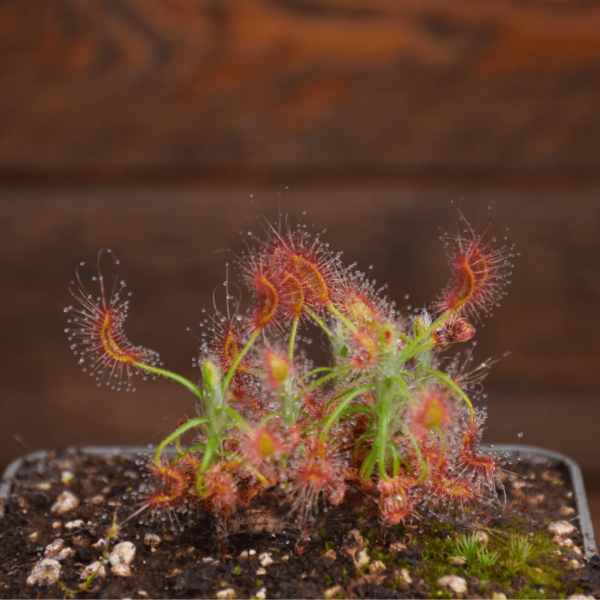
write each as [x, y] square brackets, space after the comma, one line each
[454, 388]
[408, 351]
[169, 374]
[322, 380]
[293, 337]
[313, 315]
[176, 434]
[239, 358]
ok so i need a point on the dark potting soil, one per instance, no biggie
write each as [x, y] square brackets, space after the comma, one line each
[183, 558]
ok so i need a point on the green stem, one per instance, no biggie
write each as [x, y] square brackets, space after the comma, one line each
[454, 388]
[358, 409]
[321, 381]
[188, 384]
[293, 337]
[266, 419]
[314, 372]
[349, 324]
[313, 315]
[346, 411]
[179, 431]
[258, 475]
[395, 458]
[401, 384]
[407, 351]
[382, 430]
[423, 463]
[194, 448]
[340, 407]
[234, 415]
[208, 452]
[403, 337]
[239, 358]
[359, 440]
[369, 463]
[414, 351]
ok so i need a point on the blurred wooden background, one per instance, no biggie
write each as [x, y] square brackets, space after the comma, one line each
[146, 127]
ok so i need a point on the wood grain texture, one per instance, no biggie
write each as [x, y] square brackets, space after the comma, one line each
[266, 85]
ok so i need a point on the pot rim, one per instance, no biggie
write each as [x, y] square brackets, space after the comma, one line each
[530, 454]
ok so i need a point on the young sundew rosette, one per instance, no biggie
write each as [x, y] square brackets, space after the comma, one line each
[388, 415]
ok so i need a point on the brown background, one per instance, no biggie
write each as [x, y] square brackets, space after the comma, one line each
[145, 126]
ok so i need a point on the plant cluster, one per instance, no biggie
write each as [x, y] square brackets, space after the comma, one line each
[388, 415]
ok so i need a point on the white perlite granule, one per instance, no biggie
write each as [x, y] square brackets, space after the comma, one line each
[65, 503]
[120, 559]
[45, 572]
[561, 528]
[452, 582]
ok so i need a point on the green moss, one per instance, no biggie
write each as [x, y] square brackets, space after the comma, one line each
[437, 545]
[436, 526]
[369, 534]
[395, 583]
[436, 592]
[529, 591]
[385, 558]
[545, 578]
[544, 569]
[327, 579]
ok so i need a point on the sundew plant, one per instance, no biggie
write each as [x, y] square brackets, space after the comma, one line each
[388, 414]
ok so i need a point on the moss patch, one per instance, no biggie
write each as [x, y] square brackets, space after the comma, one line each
[537, 577]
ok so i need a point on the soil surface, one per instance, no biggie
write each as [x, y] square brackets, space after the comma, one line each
[348, 555]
